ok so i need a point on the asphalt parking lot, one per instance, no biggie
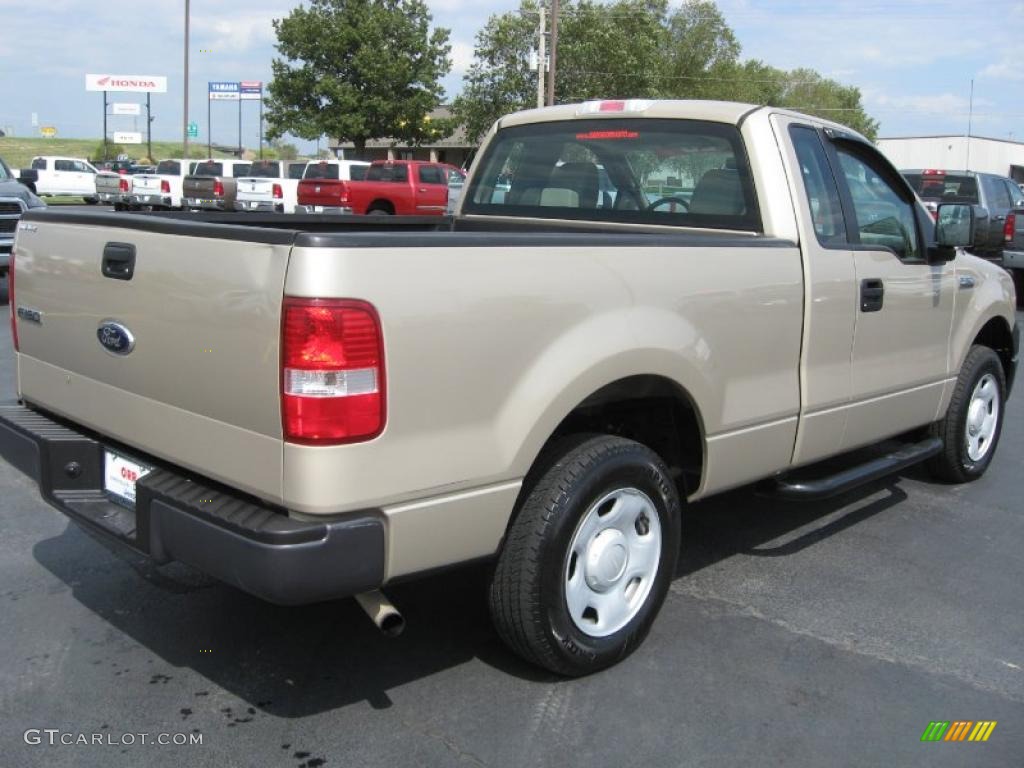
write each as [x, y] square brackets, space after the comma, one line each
[816, 635]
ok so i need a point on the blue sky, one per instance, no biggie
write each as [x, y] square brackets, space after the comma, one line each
[912, 59]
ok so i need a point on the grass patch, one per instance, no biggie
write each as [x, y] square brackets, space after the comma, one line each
[18, 152]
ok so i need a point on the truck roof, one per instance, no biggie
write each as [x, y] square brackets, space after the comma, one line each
[686, 109]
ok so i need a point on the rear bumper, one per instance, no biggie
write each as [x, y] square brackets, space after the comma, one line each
[1013, 259]
[112, 197]
[260, 206]
[332, 209]
[210, 205]
[246, 544]
[162, 200]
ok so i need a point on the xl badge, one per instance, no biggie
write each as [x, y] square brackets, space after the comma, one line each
[115, 337]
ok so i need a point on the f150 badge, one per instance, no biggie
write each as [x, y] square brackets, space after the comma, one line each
[115, 337]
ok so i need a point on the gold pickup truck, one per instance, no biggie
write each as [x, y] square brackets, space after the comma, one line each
[637, 304]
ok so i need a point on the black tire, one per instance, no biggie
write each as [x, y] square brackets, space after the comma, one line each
[379, 212]
[91, 200]
[1018, 284]
[954, 464]
[527, 593]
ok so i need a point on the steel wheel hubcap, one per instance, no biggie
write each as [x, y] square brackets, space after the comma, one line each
[982, 418]
[612, 561]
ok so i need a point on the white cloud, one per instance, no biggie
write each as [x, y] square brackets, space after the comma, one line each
[1003, 70]
[462, 56]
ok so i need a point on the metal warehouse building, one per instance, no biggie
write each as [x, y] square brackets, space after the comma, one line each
[973, 153]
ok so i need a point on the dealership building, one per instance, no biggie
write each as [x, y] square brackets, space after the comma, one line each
[973, 153]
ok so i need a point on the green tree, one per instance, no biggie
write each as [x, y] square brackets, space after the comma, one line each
[638, 49]
[357, 70]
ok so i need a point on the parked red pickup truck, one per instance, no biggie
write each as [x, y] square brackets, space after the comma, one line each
[402, 187]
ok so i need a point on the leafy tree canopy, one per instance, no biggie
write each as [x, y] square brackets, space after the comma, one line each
[358, 70]
[638, 49]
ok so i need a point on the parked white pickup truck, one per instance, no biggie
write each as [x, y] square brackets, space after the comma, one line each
[65, 176]
[541, 381]
[270, 186]
[163, 189]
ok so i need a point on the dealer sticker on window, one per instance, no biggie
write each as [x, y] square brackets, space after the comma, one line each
[120, 475]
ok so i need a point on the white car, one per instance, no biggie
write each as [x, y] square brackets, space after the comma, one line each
[163, 188]
[333, 170]
[270, 186]
[65, 176]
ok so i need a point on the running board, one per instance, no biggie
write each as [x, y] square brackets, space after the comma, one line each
[847, 479]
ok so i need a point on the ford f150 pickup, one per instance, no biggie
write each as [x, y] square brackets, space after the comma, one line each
[310, 407]
[403, 187]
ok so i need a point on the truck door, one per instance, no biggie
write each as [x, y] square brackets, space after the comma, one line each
[999, 203]
[904, 305]
[432, 190]
[829, 286]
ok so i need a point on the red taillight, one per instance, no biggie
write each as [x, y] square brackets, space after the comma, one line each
[10, 301]
[1009, 226]
[278, 192]
[218, 189]
[332, 371]
[123, 185]
[342, 192]
[165, 187]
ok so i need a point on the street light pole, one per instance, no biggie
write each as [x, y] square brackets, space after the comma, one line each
[553, 56]
[184, 125]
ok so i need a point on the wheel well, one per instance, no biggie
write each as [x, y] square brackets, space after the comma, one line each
[996, 335]
[652, 410]
[381, 205]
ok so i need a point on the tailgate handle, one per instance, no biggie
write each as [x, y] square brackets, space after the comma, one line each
[119, 261]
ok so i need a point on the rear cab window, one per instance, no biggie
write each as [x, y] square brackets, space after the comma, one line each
[686, 173]
[295, 170]
[169, 168]
[386, 172]
[240, 169]
[357, 172]
[265, 169]
[942, 187]
[209, 169]
[321, 171]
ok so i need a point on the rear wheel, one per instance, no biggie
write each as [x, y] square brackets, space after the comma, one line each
[91, 200]
[588, 559]
[971, 427]
[379, 211]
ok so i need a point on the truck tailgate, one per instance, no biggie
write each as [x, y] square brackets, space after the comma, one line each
[146, 183]
[257, 189]
[200, 388]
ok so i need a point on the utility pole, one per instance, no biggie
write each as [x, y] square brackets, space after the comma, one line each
[541, 60]
[149, 129]
[184, 125]
[970, 118]
[554, 51]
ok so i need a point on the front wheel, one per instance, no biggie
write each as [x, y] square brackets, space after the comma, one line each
[971, 427]
[588, 560]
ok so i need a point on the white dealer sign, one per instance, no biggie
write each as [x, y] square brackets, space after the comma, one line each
[133, 83]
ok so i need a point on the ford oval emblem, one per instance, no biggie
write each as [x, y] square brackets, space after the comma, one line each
[115, 337]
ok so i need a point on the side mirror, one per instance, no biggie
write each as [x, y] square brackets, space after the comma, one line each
[28, 177]
[954, 225]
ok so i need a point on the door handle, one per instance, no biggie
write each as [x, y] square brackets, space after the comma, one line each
[872, 294]
[118, 261]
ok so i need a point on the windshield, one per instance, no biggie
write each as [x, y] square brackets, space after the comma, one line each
[4, 171]
[266, 169]
[321, 171]
[631, 170]
[944, 187]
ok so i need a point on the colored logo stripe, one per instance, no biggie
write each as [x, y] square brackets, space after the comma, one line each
[983, 730]
[958, 730]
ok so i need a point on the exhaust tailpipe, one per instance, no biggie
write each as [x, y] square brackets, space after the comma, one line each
[381, 612]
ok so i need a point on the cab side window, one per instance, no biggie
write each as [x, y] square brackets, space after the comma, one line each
[884, 218]
[430, 174]
[39, 164]
[820, 186]
[63, 165]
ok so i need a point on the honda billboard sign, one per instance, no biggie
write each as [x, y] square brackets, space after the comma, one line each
[132, 83]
